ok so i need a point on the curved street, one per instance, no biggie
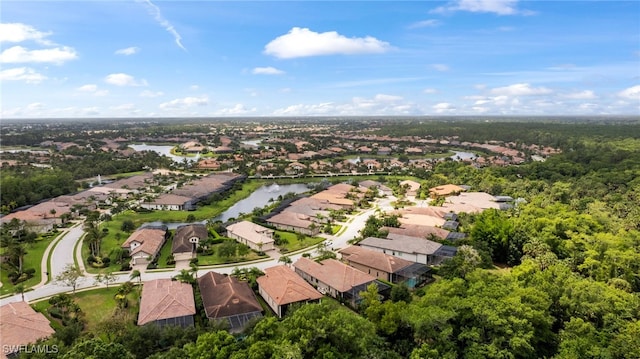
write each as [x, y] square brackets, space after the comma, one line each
[63, 254]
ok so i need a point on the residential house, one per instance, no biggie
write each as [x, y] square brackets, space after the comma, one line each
[168, 202]
[382, 189]
[228, 300]
[385, 266]
[415, 249]
[21, 325]
[412, 187]
[281, 286]
[166, 302]
[445, 190]
[296, 222]
[186, 240]
[336, 279]
[144, 244]
[255, 236]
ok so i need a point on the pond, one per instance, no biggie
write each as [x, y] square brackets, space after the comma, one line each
[259, 198]
[463, 156]
[162, 150]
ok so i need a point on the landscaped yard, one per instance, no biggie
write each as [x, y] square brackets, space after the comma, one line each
[116, 236]
[97, 305]
[214, 258]
[32, 259]
[165, 253]
[293, 243]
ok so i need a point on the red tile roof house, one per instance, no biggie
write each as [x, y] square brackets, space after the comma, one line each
[296, 222]
[415, 249]
[255, 236]
[385, 266]
[280, 287]
[228, 300]
[20, 326]
[167, 302]
[186, 240]
[336, 279]
[168, 202]
[144, 244]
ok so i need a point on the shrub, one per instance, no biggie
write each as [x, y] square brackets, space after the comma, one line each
[91, 259]
[125, 267]
[106, 260]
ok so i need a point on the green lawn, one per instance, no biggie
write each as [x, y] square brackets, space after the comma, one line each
[216, 259]
[97, 305]
[32, 259]
[165, 252]
[294, 244]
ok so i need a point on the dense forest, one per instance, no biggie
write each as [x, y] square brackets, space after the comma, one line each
[557, 276]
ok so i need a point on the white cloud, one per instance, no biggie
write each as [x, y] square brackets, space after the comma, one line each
[387, 98]
[194, 87]
[359, 106]
[88, 88]
[581, 95]
[499, 7]
[440, 67]
[151, 94]
[19, 54]
[302, 42]
[238, 109]
[632, 93]
[93, 89]
[267, 71]
[523, 89]
[444, 107]
[121, 79]
[26, 74]
[128, 51]
[185, 102]
[155, 11]
[17, 32]
[425, 23]
[429, 91]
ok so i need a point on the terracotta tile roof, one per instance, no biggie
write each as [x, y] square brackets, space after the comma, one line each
[224, 296]
[21, 325]
[315, 203]
[421, 219]
[401, 243]
[252, 232]
[445, 190]
[291, 219]
[165, 298]
[151, 240]
[374, 259]
[181, 239]
[169, 199]
[334, 273]
[413, 230]
[284, 286]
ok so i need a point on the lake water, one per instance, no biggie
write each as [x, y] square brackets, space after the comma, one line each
[259, 198]
[162, 150]
[255, 143]
[462, 156]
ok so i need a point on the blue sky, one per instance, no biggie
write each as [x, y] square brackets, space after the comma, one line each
[298, 58]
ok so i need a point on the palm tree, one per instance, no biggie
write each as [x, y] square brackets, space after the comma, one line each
[18, 252]
[20, 289]
[184, 276]
[286, 260]
[136, 274]
[94, 237]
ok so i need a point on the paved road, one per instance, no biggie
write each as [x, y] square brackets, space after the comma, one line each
[63, 254]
